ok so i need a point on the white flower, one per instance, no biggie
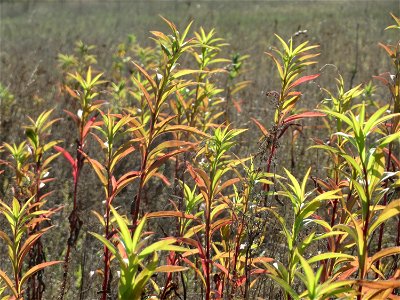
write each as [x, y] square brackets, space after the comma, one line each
[29, 149]
[243, 246]
[126, 261]
[46, 175]
[41, 185]
[106, 144]
[91, 273]
[79, 113]
[159, 77]
[275, 264]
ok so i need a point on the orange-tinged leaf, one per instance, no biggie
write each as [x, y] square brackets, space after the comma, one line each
[302, 80]
[72, 93]
[88, 126]
[387, 49]
[226, 184]
[380, 284]
[197, 270]
[385, 252]
[38, 268]
[278, 65]
[145, 94]
[124, 181]
[309, 114]
[172, 128]
[9, 283]
[73, 116]
[99, 169]
[163, 178]
[171, 213]
[29, 243]
[171, 268]
[161, 160]
[148, 77]
[262, 128]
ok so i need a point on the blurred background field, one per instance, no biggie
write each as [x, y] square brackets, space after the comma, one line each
[33, 33]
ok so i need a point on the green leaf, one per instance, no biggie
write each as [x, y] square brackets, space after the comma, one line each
[108, 244]
[125, 233]
[391, 210]
[285, 286]
[329, 255]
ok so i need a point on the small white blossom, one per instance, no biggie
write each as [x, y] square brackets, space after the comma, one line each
[106, 144]
[159, 77]
[46, 175]
[79, 113]
[41, 185]
[91, 273]
[126, 261]
[275, 264]
[243, 246]
[29, 149]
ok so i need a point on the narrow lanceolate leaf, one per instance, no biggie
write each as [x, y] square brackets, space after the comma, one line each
[9, 283]
[37, 268]
[186, 72]
[329, 255]
[285, 286]
[172, 128]
[380, 284]
[172, 213]
[148, 77]
[161, 160]
[107, 244]
[302, 80]
[385, 252]
[391, 210]
[278, 65]
[309, 114]
[261, 127]
[157, 246]
[125, 234]
[99, 169]
[66, 154]
[146, 94]
[308, 271]
[171, 268]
